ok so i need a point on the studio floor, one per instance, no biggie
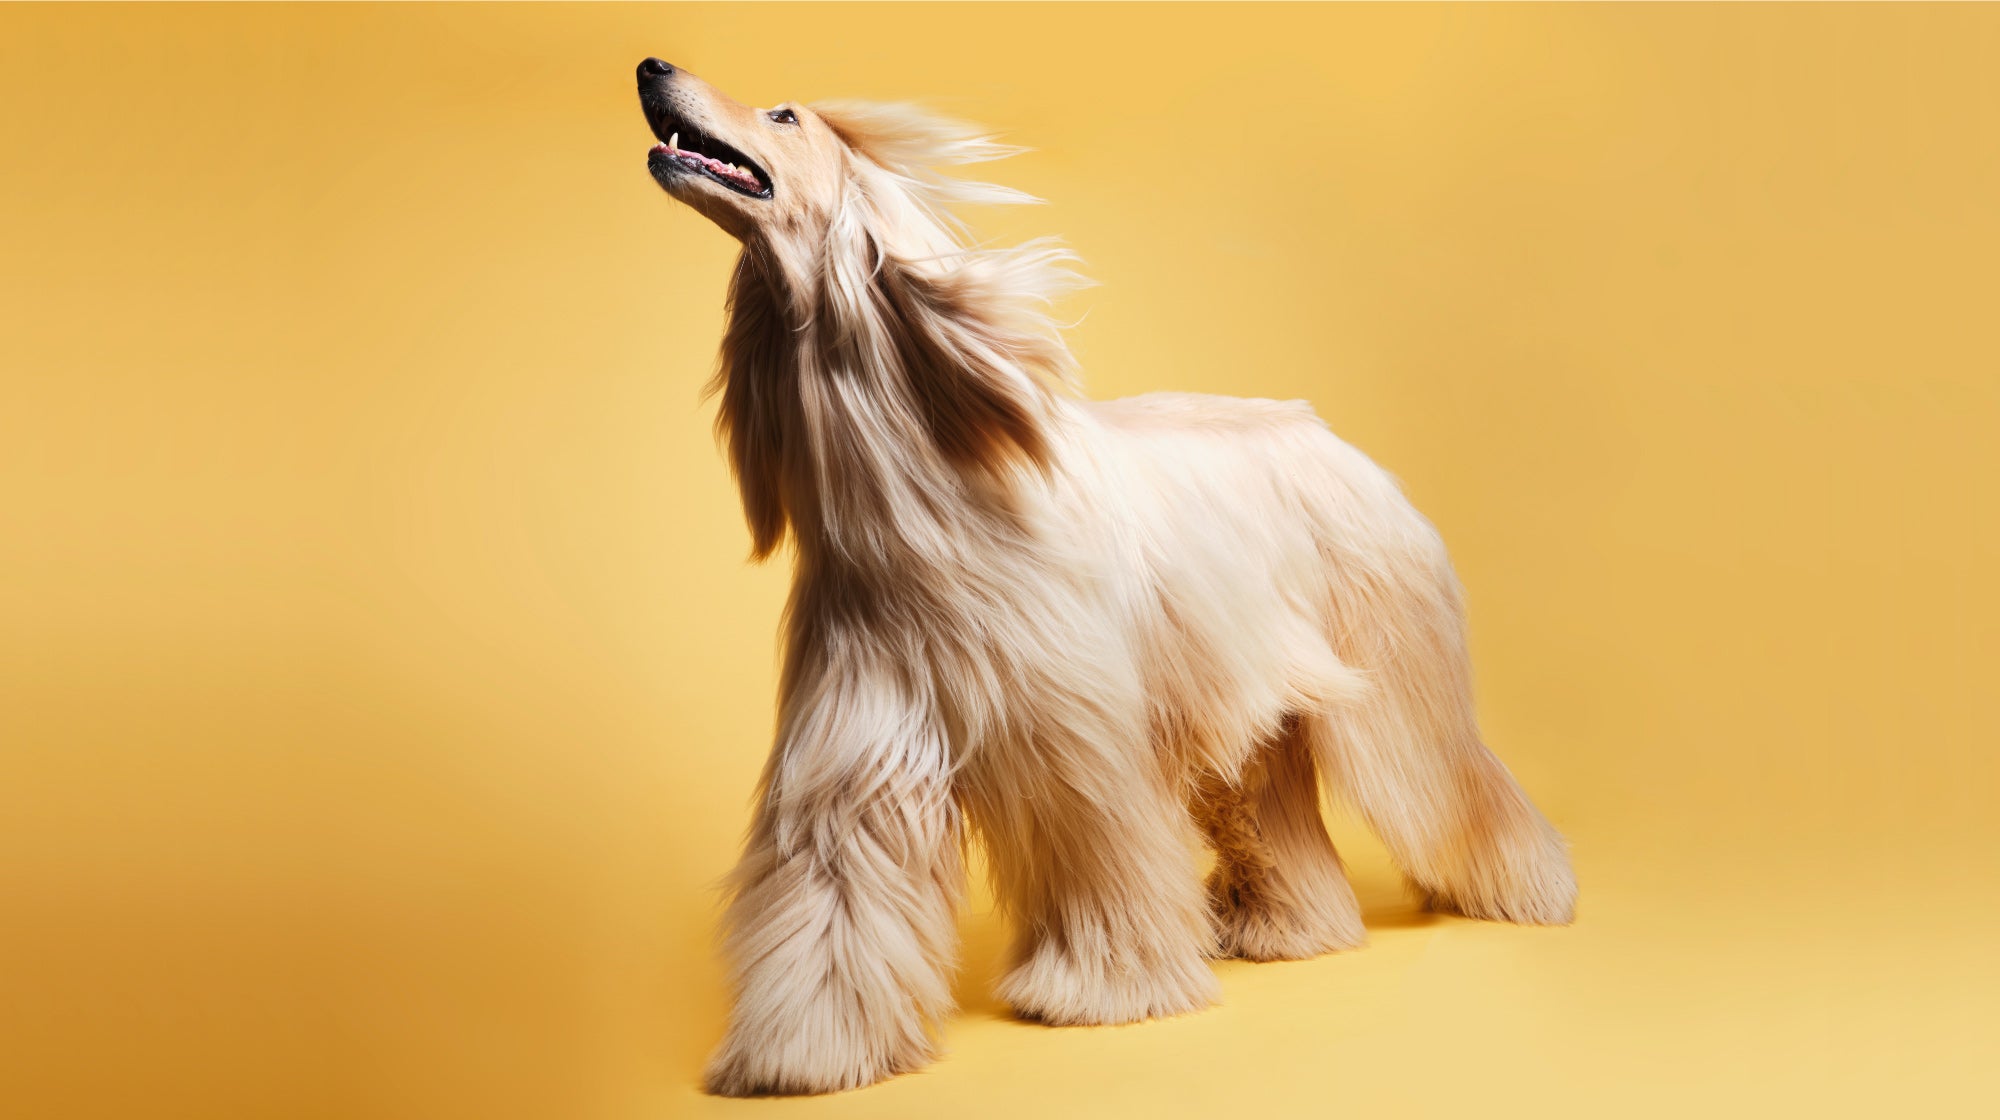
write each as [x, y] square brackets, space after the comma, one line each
[1755, 985]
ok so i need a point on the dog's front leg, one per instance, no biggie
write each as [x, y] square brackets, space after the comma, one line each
[842, 927]
[1089, 848]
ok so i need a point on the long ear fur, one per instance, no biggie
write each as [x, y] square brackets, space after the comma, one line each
[978, 366]
[758, 380]
[875, 366]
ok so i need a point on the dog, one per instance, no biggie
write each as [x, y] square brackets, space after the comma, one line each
[1085, 632]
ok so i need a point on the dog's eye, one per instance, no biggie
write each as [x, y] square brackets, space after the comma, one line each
[783, 116]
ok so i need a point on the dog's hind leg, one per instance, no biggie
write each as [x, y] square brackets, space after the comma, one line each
[1409, 757]
[1089, 852]
[1278, 891]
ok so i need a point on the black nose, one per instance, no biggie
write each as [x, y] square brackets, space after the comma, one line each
[654, 68]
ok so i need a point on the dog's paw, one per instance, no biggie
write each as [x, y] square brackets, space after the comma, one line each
[798, 1057]
[1276, 933]
[739, 1072]
[1052, 987]
[1531, 884]
[1552, 904]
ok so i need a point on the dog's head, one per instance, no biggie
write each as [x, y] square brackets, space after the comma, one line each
[786, 173]
[858, 307]
[747, 170]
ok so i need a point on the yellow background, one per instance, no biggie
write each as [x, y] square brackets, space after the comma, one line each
[382, 684]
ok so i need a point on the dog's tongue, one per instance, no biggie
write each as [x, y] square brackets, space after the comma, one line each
[731, 173]
[727, 171]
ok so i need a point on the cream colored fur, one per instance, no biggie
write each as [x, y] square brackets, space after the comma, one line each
[1085, 633]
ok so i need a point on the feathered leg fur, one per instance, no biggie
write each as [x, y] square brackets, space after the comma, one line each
[1408, 754]
[842, 928]
[1278, 891]
[1089, 849]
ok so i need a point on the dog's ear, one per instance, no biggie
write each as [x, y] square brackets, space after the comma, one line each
[978, 356]
[965, 334]
[974, 371]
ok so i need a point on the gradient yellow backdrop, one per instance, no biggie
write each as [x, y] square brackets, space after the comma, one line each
[382, 683]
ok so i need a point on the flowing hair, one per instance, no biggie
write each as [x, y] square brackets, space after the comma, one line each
[889, 340]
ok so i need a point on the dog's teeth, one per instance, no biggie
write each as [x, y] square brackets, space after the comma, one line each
[674, 142]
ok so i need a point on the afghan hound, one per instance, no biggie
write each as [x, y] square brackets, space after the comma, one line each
[1087, 632]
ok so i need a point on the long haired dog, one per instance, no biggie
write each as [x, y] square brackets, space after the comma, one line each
[1089, 631]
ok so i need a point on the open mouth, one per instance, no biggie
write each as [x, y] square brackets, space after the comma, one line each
[687, 149]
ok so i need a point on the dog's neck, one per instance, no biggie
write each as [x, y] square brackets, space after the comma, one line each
[879, 411]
